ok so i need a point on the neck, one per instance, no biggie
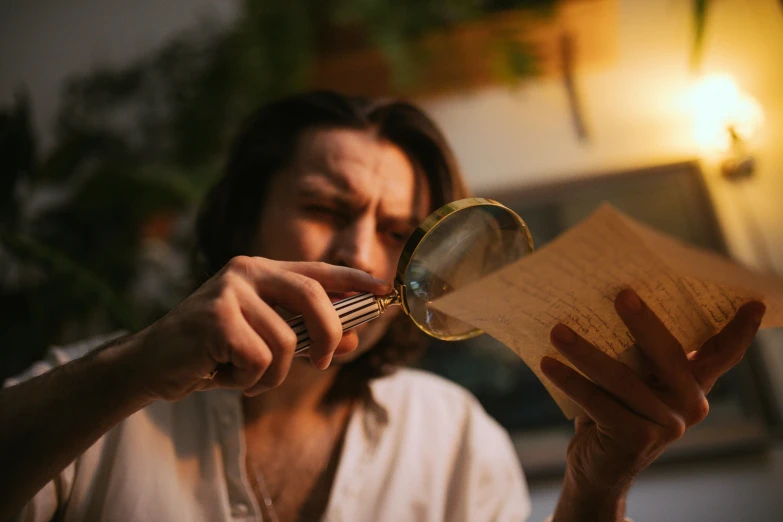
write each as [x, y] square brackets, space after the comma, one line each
[302, 391]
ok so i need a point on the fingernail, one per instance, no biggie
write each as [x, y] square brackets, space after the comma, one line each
[563, 334]
[325, 361]
[632, 301]
[386, 285]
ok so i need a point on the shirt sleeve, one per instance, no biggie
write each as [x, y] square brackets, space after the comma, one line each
[45, 504]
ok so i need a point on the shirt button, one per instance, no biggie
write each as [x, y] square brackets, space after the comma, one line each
[225, 420]
[240, 508]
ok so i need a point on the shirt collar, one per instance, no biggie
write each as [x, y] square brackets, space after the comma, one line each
[373, 410]
[375, 416]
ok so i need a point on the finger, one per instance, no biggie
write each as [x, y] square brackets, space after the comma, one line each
[338, 278]
[303, 295]
[597, 403]
[726, 348]
[664, 352]
[610, 374]
[348, 343]
[249, 356]
[333, 278]
[275, 332]
[613, 420]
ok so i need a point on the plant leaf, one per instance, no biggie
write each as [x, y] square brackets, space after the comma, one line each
[700, 8]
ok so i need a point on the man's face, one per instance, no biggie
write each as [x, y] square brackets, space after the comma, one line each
[347, 198]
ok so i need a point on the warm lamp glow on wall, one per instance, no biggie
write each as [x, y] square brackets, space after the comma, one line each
[725, 120]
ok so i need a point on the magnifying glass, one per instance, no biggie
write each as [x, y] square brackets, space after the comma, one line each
[458, 244]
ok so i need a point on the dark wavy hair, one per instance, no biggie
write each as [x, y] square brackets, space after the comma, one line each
[265, 145]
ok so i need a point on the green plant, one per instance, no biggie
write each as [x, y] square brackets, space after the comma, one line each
[700, 12]
[699, 25]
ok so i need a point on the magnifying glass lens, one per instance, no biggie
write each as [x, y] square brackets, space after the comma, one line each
[466, 246]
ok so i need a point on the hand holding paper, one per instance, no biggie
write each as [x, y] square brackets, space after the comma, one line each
[631, 419]
[575, 279]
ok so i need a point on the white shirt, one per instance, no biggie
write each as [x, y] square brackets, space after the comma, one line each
[422, 449]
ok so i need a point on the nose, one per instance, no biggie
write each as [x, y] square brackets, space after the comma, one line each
[355, 246]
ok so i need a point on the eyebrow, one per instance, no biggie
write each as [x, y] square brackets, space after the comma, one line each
[330, 186]
[335, 187]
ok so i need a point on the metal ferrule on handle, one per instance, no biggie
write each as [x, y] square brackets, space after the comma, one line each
[353, 311]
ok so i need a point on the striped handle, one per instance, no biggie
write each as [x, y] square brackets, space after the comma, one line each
[353, 311]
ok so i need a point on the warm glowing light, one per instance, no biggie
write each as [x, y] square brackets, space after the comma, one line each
[720, 108]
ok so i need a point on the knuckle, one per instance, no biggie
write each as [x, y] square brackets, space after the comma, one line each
[321, 266]
[261, 360]
[288, 340]
[626, 380]
[240, 264]
[675, 428]
[311, 289]
[228, 282]
[230, 341]
[648, 438]
[221, 309]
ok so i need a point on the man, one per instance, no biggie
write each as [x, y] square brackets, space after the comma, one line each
[319, 195]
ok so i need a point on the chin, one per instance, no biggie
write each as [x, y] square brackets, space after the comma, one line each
[369, 335]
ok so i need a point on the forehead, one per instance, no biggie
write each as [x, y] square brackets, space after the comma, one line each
[359, 163]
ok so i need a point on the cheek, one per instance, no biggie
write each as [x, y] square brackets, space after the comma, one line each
[392, 258]
[312, 239]
[293, 240]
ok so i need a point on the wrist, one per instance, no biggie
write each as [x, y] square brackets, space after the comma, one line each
[580, 500]
[124, 374]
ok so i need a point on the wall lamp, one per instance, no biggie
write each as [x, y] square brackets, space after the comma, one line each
[725, 121]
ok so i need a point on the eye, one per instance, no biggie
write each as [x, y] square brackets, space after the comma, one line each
[326, 213]
[398, 236]
[320, 209]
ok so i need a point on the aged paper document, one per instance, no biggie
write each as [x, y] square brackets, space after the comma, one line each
[575, 279]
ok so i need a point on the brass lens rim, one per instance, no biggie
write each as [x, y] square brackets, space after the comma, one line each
[422, 231]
